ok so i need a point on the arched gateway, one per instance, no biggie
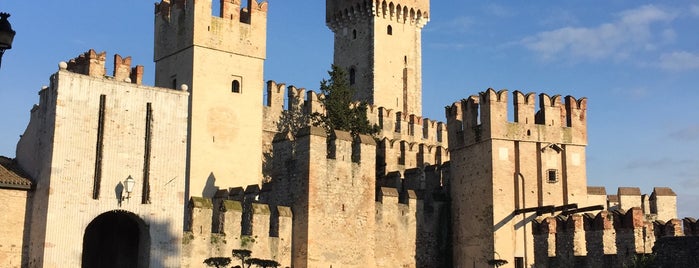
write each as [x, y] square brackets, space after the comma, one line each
[116, 239]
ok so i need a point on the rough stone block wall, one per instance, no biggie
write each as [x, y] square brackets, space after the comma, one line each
[69, 115]
[13, 204]
[677, 252]
[396, 229]
[200, 242]
[611, 239]
[405, 141]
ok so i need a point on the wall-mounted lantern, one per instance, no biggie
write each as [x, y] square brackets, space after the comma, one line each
[6, 34]
[128, 187]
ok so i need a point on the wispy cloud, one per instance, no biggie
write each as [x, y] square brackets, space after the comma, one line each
[636, 93]
[694, 9]
[630, 32]
[448, 46]
[461, 24]
[559, 17]
[499, 11]
[686, 134]
[690, 183]
[656, 163]
[679, 61]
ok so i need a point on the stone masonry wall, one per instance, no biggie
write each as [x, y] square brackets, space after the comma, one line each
[203, 238]
[13, 204]
[405, 141]
[70, 186]
[608, 239]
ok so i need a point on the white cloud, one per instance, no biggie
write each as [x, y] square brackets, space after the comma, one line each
[686, 134]
[630, 32]
[679, 61]
[499, 10]
[461, 24]
[695, 10]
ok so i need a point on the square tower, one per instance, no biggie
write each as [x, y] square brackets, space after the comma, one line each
[379, 44]
[221, 59]
[502, 171]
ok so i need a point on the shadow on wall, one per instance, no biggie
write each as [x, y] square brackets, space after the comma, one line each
[210, 186]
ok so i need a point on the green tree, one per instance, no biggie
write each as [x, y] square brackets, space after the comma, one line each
[241, 254]
[342, 112]
[262, 263]
[218, 262]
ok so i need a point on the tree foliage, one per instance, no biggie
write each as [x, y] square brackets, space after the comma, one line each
[241, 254]
[218, 262]
[342, 112]
[262, 263]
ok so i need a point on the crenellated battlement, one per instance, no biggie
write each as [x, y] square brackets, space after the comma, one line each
[413, 13]
[229, 9]
[404, 141]
[393, 125]
[660, 204]
[606, 239]
[235, 220]
[429, 184]
[485, 116]
[93, 64]
[237, 28]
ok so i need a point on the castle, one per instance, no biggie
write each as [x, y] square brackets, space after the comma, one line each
[112, 173]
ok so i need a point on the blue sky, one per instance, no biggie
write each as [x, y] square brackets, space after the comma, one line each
[636, 61]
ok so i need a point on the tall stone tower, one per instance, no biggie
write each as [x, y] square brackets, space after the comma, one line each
[379, 44]
[220, 58]
[504, 171]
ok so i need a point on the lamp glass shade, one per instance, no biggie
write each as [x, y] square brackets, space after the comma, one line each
[128, 184]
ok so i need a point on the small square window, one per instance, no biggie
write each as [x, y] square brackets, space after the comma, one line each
[552, 175]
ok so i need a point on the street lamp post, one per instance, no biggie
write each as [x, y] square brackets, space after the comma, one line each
[6, 34]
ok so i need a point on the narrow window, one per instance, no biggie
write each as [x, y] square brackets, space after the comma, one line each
[235, 86]
[389, 30]
[552, 175]
[97, 180]
[174, 83]
[405, 60]
[145, 198]
[354, 34]
[352, 76]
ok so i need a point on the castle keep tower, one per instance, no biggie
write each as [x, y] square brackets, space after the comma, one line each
[379, 44]
[220, 59]
[504, 171]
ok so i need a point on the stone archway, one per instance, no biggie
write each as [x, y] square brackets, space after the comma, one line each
[116, 239]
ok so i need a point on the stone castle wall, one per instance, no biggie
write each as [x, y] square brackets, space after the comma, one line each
[331, 186]
[379, 44]
[607, 239]
[404, 141]
[216, 227]
[221, 59]
[87, 136]
[501, 166]
[13, 204]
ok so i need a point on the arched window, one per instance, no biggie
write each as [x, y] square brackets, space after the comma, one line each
[389, 30]
[354, 34]
[352, 76]
[235, 86]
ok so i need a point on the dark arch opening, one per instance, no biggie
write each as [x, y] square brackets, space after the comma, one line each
[116, 239]
[235, 86]
[389, 30]
[352, 76]
[354, 34]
